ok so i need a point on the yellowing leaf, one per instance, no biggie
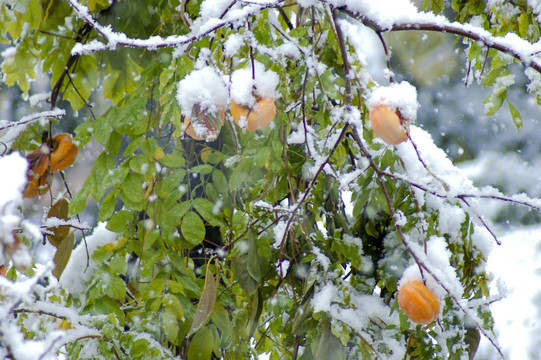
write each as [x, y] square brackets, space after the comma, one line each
[206, 302]
[62, 255]
[59, 210]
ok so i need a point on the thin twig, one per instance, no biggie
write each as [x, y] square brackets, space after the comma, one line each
[387, 55]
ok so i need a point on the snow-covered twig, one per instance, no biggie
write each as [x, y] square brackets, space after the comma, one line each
[115, 39]
[483, 193]
[55, 113]
[511, 43]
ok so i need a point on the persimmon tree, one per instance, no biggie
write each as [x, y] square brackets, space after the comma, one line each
[286, 231]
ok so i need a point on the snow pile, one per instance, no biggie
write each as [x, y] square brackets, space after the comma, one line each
[76, 273]
[10, 217]
[363, 312]
[204, 88]
[383, 13]
[243, 85]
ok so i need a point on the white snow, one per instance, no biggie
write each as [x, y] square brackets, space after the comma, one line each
[205, 88]
[244, 87]
[76, 273]
[517, 316]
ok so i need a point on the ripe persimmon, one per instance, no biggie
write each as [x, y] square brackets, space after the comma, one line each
[53, 155]
[419, 304]
[256, 117]
[389, 125]
[63, 152]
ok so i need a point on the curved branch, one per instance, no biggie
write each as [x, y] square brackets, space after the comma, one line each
[511, 43]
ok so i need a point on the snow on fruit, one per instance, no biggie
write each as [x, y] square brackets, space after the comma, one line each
[392, 109]
[202, 96]
[252, 96]
[207, 126]
[418, 303]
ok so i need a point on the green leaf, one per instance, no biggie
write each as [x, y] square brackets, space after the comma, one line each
[107, 305]
[220, 317]
[262, 156]
[115, 288]
[132, 119]
[494, 101]
[246, 280]
[139, 348]
[101, 126]
[523, 23]
[329, 346]
[240, 175]
[200, 346]
[170, 325]
[173, 216]
[78, 203]
[120, 221]
[173, 160]
[207, 211]
[493, 75]
[515, 115]
[170, 183]
[114, 142]
[103, 164]
[206, 302]
[118, 264]
[253, 264]
[220, 183]
[107, 206]
[132, 192]
[133, 146]
[193, 229]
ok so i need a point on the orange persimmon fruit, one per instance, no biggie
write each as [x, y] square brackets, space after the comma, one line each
[63, 152]
[388, 125]
[256, 117]
[212, 127]
[418, 303]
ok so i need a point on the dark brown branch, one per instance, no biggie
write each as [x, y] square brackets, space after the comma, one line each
[345, 60]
